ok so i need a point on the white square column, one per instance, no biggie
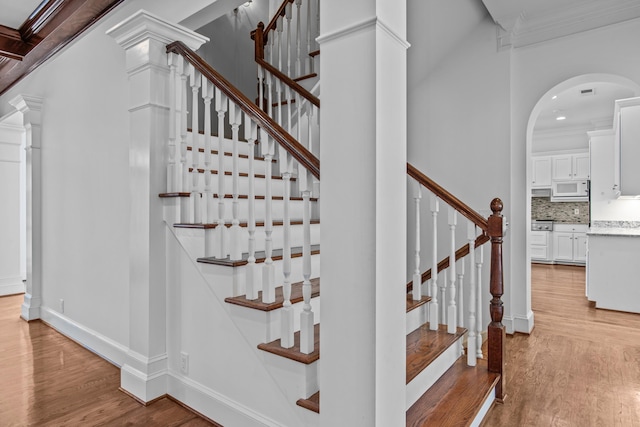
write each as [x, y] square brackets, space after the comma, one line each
[31, 109]
[363, 208]
[144, 38]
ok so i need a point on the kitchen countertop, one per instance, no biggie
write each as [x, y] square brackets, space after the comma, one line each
[615, 228]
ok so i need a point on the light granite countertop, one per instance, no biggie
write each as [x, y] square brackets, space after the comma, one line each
[615, 228]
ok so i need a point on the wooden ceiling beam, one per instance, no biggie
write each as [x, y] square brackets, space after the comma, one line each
[11, 44]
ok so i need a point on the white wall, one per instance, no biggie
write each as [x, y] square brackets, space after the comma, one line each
[11, 250]
[85, 172]
[458, 130]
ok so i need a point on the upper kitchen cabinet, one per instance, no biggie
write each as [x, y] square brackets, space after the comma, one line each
[568, 167]
[626, 178]
[541, 172]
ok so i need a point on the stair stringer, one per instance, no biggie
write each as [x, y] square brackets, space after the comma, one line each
[227, 379]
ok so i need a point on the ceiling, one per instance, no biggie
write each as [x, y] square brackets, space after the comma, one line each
[14, 13]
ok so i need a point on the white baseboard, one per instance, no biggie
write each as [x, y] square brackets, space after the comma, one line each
[93, 341]
[11, 286]
[521, 324]
[211, 404]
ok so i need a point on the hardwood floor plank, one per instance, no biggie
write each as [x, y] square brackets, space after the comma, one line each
[47, 379]
[579, 367]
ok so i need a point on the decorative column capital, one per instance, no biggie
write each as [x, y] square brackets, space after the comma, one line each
[144, 25]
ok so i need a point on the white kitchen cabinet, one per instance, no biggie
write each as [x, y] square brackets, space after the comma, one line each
[568, 167]
[541, 172]
[570, 243]
[626, 147]
[540, 247]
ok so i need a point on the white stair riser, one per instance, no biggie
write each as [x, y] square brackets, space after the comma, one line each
[260, 185]
[243, 147]
[195, 240]
[264, 326]
[231, 281]
[432, 373]
[243, 164]
[277, 207]
[417, 317]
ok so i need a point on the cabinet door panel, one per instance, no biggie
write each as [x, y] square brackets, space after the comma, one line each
[541, 173]
[580, 247]
[562, 167]
[563, 246]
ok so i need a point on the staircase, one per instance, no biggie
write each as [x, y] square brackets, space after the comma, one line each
[243, 221]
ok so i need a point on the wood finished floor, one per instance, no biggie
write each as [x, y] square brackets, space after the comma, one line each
[48, 380]
[579, 367]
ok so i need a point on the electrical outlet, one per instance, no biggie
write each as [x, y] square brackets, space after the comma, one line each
[184, 363]
[61, 306]
[576, 211]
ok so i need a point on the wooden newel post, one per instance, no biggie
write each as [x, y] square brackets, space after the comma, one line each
[257, 36]
[496, 330]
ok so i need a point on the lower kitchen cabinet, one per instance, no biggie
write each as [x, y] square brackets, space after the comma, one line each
[570, 243]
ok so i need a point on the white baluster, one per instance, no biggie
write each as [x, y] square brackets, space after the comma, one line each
[251, 130]
[308, 58]
[452, 323]
[268, 270]
[172, 186]
[287, 309]
[261, 87]
[460, 270]
[269, 94]
[471, 339]
[288, 16]
[221, 108]
[235, 119]
[207, 95]
[479, 306]
[183, 70]
[433, 305]
[306, 317]
[316, 34]
[196, 80]
[298, 36]
[417, 277]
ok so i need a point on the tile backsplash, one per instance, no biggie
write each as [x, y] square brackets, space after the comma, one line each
[543, 208]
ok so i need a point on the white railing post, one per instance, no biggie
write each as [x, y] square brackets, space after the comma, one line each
[452, 324]
[309, 38]
[172, 184]
[433, 305]
[298, 36]
[471, 339]
[235, 118]
[268, 270]
[417, 277]
[479, 262]
[286, 339]
[460, 271]
[306, 317]
[183, 71]
[221, 108]
[196, 80]
[251, 133]
[207, 94]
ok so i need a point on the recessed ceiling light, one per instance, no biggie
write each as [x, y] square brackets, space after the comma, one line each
[554, 97]
[561, 118]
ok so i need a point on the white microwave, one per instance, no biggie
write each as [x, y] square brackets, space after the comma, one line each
[570, 189]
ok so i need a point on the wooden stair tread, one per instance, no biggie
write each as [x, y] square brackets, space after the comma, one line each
[214, 134]
[312, 403]
[314, 53]
[305, 77]
[294, 353]
[230, 196]
[424, 346]
[243, 174]
[284, 102]
[296, 296]
[276, 255]
[412, 305]
[455, 399]
[242, 224]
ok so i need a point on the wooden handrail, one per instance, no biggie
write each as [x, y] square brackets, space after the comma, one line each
[447, 197]
[444, 264]
[273, 24]
[289, 82]
[288, 142]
